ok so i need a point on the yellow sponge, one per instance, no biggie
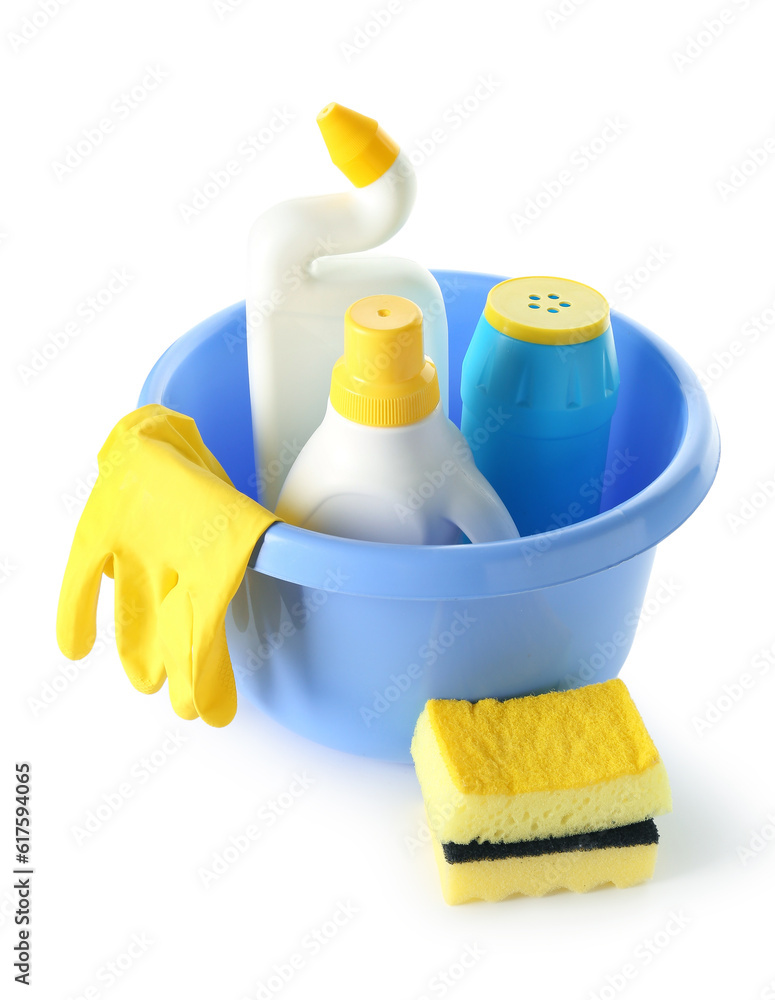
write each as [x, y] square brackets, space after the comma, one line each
[529, 768]
[578, 871]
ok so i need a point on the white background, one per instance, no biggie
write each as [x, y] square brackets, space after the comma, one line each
[686, 125]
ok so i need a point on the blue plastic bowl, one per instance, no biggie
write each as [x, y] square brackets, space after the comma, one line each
[344, 641]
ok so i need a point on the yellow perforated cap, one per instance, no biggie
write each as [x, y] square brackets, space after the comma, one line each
[358, 146]
[546, 310]
[384, 378]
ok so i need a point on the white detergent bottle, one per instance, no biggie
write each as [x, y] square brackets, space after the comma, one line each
[304, 271]
[386, 464]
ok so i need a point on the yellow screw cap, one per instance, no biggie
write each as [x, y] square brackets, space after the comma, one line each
[545, 310]
[358, 146]
[384, 378]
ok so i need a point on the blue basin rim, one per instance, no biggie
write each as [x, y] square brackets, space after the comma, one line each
[468, 572]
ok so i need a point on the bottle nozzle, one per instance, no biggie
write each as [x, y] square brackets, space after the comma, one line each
[361, 149]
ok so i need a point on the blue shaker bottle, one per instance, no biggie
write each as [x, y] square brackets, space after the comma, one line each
[539, 388]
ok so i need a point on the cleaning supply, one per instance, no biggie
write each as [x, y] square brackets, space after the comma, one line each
[537, 793]
[542, 359]
[623, 857]
[316, 681]
[304, 272]
[386, 464]
[165, 522]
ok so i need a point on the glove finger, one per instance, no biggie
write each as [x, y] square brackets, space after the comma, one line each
[215, 693]
[137, 598]
[175, 629]
[77, 608]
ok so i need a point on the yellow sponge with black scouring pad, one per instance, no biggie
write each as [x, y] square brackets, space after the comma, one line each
[577, 870]
[538, 793]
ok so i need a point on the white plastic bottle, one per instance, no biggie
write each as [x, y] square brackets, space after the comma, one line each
[386, 464]
[303, 276]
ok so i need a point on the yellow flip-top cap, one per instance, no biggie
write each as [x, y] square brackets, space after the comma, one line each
[384, 378]
[545, 310]
[358, 146]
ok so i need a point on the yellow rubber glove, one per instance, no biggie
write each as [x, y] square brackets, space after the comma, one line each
[165, 521]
